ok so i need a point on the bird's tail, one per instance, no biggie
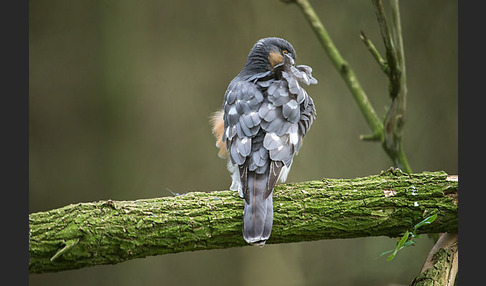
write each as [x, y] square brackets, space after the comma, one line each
[258, 211]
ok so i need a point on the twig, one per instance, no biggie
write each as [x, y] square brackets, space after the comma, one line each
[374, 52]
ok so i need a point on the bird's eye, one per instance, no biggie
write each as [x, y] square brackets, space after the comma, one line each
[285, 52]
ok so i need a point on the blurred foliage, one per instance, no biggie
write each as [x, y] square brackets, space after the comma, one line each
[120, 94]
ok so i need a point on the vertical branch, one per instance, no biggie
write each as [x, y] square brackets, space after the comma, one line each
[399, 40]
[394, 71]
[394, 119]
[400, 56]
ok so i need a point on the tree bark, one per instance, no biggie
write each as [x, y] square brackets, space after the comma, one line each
[109, 232]
[441, 265]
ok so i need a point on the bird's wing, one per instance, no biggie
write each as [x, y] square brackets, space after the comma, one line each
[265, 122]
[241, 119]
[242, 129]
[286, 114]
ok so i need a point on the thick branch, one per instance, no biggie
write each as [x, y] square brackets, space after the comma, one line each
[109, 232]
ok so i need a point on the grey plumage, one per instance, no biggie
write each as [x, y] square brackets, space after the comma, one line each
[266, 114]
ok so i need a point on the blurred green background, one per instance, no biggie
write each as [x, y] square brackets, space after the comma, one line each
[120, 97]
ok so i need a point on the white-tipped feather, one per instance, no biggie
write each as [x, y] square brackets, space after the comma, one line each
[284, 174]
[235, 178]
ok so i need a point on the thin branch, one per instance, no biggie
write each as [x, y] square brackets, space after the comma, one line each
[394, 72]
[109, 232]
[344, 70]
[374, 52]
[397, 25]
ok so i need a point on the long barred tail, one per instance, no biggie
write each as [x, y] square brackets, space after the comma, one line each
[258, 211]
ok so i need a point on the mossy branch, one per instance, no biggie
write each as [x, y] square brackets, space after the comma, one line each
[109, 232]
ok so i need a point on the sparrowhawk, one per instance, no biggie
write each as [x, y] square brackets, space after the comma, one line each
[265, 115]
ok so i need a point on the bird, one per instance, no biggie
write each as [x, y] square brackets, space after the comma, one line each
[266, 114]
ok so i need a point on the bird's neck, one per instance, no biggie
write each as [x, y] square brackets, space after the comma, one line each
[257, 62]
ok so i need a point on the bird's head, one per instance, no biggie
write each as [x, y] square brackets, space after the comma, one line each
[268, 53]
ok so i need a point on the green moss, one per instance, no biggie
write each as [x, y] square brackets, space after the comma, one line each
[112, 231]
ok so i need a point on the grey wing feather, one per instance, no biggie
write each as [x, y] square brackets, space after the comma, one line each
[274, 174]
[241, 104]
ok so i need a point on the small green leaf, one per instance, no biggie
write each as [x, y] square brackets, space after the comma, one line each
[408, 243]
[386, 252]
[403, 240]
[428, 220]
